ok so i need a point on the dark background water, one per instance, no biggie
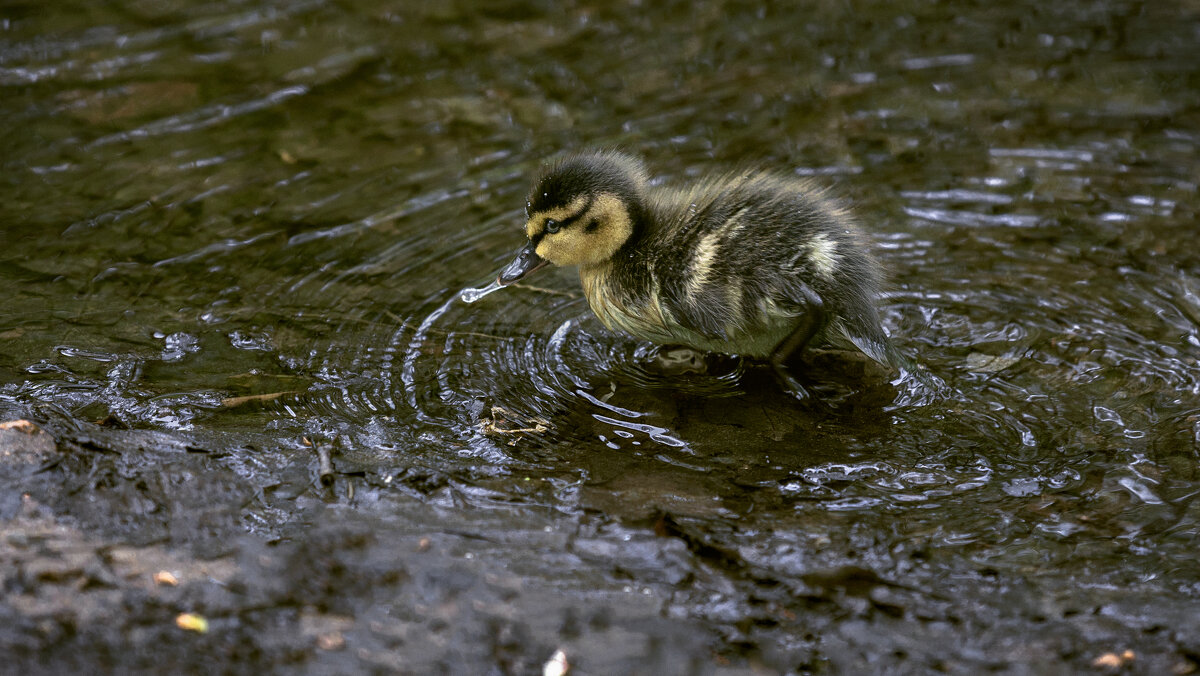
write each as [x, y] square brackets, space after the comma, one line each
[233, 229]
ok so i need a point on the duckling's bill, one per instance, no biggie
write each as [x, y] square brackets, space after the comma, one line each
[526, 263]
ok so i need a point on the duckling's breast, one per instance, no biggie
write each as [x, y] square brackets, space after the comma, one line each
[619, 309]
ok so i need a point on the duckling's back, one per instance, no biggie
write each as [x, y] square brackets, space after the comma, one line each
[732, 265]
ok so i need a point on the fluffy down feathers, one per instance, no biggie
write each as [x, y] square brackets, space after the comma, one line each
[740, 263]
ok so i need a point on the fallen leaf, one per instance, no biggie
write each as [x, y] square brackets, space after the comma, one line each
[20, 426]
[1113, 660]
[192, 622]
[165, 577]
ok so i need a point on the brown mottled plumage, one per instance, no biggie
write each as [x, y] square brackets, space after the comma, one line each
[749, 263]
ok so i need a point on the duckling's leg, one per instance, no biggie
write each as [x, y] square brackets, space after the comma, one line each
[812, 322]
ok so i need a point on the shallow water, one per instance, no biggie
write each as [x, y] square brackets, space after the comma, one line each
[248, 224]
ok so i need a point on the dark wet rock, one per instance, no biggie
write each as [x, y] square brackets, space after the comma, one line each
[25, 446]
[80, 559]
[373, 590]
[440, 589]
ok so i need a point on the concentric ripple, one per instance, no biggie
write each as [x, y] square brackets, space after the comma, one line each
[505, 353]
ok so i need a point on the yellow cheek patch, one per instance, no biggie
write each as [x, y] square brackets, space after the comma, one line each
[536, 222]
[565, 248]
[576, 244]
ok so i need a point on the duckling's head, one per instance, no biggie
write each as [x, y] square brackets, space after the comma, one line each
[580, 211]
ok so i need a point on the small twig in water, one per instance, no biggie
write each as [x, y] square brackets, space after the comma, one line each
[501, 415]
[325, 471]
[231, 402]
[542, 289]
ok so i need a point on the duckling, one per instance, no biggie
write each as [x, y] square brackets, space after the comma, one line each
[751, 263]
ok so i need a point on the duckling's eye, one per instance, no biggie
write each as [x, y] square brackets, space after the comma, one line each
[552, 226]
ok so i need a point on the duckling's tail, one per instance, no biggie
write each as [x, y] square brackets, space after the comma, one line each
[863, 330]
[918, 386]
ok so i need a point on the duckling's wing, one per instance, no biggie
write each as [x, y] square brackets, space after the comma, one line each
[739, 262]
[698, 282]
[707, 314]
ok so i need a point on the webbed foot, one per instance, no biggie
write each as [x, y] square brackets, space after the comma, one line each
[790, 384]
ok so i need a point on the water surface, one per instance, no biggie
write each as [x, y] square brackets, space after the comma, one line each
[247, 225]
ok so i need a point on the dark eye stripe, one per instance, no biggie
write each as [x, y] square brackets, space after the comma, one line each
[577, 215]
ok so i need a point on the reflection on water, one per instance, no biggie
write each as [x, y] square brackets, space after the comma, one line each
[252, 223]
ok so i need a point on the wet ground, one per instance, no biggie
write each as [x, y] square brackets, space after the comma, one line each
[264, 434]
